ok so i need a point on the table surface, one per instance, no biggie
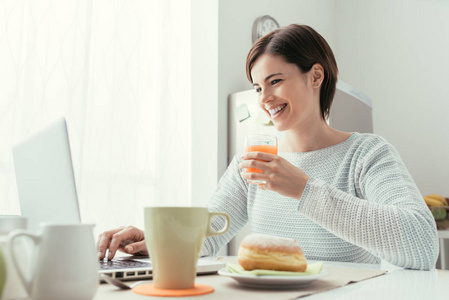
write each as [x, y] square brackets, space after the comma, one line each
[397, 284]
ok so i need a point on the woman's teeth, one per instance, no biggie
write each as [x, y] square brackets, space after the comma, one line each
[277, 109]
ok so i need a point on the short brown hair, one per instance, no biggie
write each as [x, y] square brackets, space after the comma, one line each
[303, 46]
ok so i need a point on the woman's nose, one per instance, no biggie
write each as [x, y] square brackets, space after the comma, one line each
[266, 96]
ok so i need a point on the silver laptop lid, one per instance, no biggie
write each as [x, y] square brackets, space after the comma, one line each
[45, 179]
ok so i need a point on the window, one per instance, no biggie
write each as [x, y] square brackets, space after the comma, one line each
[119, 71]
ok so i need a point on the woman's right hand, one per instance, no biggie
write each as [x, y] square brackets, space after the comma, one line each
[127, 239]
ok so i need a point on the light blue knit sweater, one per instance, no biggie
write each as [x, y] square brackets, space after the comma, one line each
[359, 205]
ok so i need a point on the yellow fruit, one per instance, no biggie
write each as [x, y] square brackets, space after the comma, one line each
[433, 202]
[437, 197]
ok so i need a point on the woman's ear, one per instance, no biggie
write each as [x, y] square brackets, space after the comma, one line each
[317, 73]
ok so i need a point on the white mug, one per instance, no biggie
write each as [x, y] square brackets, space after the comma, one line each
[13, 288]
[64, 262]
[174, 237]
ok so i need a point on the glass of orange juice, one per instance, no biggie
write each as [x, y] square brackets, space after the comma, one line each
[260, 143]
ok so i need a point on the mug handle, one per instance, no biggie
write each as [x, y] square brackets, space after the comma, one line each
[12, 236]
[210, 231]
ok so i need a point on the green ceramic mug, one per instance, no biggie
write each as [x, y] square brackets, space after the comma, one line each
[174, 237]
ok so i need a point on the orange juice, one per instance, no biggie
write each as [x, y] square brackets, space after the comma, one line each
[260, 148]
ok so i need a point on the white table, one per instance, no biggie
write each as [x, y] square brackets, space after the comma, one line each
[396, 284]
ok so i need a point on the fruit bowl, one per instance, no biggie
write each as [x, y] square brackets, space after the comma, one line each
[439, 206]
[441, 216]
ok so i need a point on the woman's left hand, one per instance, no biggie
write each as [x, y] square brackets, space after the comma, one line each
[280, 175]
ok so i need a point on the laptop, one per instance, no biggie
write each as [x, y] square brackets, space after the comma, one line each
[47, 193]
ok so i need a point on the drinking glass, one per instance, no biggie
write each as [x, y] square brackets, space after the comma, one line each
[260, 143]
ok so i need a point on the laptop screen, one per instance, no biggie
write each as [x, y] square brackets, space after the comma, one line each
[45, 179]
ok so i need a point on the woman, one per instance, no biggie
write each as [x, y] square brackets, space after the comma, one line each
[343, 196]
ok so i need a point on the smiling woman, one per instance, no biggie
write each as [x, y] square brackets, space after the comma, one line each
[343, 196]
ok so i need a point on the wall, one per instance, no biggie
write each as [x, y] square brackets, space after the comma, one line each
[204, 74]
[236, 19]
[396, 52]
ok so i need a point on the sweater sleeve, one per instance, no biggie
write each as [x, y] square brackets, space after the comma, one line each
[230, 197]
[390, 219]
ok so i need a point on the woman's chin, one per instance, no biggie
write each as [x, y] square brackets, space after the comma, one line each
[279, 126]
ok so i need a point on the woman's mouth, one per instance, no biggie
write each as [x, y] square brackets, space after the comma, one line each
[277, 110]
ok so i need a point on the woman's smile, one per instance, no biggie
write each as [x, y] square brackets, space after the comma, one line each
[277, 111]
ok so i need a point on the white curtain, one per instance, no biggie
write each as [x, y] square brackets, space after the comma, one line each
[119, 71]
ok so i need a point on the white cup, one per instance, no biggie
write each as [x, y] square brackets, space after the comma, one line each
[64, 262]
[175, 236]
[13, 287]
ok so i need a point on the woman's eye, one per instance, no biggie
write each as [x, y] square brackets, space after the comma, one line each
[258, 90]
[275, 81]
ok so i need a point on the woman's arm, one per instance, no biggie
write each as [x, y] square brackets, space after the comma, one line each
[390, 219]
[230, 197]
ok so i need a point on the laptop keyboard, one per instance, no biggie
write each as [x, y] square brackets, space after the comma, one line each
[122, 264]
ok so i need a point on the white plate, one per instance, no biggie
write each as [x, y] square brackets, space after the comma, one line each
[273, 281]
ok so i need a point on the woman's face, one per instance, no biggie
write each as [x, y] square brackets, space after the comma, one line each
[286, 94]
